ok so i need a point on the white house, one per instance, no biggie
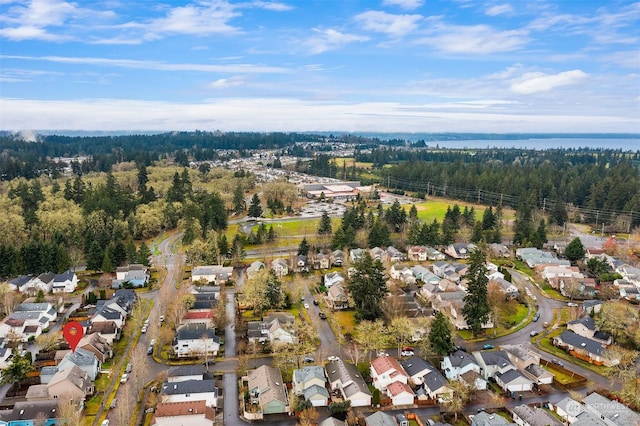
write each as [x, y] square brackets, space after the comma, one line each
[416, 368]
[65, 282]
[310, 383]
[400, 393]
[217, 274]
[190, 390]
[386, 370]
[346, 379]
[195, 340]
[513, 381]
[83, 359]
[436, 386]
[42, 282]
[333, 278]
[280, 267]
[457, 364]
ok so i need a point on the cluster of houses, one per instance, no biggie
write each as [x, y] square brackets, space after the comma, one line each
[595, 410]
[48, 282]
[629, 285]
[401, 383]
[584, 340]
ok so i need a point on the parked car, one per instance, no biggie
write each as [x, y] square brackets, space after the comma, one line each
[322, 315]
[459, 348]
[407, 353]
[128, 368]
[315, 302]
[534, 333]
[572, 305]
[333, 358]
[149, 350]
[306, 305]
[124, 378]
[114, 403]
[383, 354]
[487, 346]
[556, 362]
[536, 317]
[308, 359]
[105, 422]
[545, 324]
[143, 330]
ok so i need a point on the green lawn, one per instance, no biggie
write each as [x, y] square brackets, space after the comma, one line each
[346, 320]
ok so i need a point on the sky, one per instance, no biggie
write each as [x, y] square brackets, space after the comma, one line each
[548, 66]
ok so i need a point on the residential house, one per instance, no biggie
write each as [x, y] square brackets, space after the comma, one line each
[627, 290]
[216, 274]
[277, 327]
[513, 381]
[70, 384]
[337, 297]
[417, 253]
[346, 379]
[611, 412]
[533, 256]
[42, 282]
[280, 267]
[474, 380]
[198, 317]
[581, 347]
[301, 263]
[489, 419]
[538, 375]
[394, 255]
[190, 390]
[499, 250]
[45, 310]
[460, 250]
[22, 325]
[332, 421]
[380, 418]
[356, 254]
[204, 302]
[97, 345]
[510, 291]
[441, 268]
[586, 327]
[386, 370]
[81, 358]
[568, 409]
[19, 283]
[195, 340]
[24, 413]
[5, 356]
[457, 364]
[109, 313]
[65, 282]
[321, 261]
[434, 255]
[193, 413]
[436, 386]
[136, 274]
[181, 373]
[416, 368]
[311, 381]
[268, 390]
[254, 268]
[520, 356]
[401, 420]
[425, 275]
[378, 253]
[126, 298]
[591, 307]
[107, 330]
[337, 258]
[492, 362]
[525, 415]
[332, 278]
[402, 273]
[400, 393]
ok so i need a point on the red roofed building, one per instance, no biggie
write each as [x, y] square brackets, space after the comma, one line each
[193, 413]
[198, 317]
[400, 393]
[386, 370]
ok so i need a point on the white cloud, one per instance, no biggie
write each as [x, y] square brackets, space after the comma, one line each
[474, 40]
[209, 17]
[280, 114]
[225, 83]
[499, 9]
[387, 23]
[270, 5]
[536, 82]
[154, 65]
[29, 32]
[404, 4]
[330, 39]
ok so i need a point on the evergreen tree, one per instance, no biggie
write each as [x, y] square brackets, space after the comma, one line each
[338, 241]
[558, 214]
[271, 235]
[574, 250]
[477, 234]
[107, 263]
[368, 288]
[239, 205]
[440, 338]
[144, 255]
[488, 219]
[255, 208]
[303, 248]
[176, 191]
[18, 369]
[223, 246]
[95, 256]
[413, 213]
[324, 228]
[476, 310]
[379, 235]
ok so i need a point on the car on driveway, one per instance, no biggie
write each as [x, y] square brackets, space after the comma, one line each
[488, 346]
[383, 354]
[333, 358]
[407, 353]
[308, 359]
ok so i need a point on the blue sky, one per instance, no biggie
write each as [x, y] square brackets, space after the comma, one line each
[320, 65]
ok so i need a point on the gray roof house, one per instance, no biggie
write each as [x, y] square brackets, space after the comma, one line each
[533, 416]
[612, 412]
[190, 390]
[416, 368]
[268, 390]
[347, 379]
[513, 381]
[82, 358]
[571, 342]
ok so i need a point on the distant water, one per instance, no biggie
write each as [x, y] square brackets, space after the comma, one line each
[543, 143]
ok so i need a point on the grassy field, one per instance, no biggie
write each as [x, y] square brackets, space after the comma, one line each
[346, 320]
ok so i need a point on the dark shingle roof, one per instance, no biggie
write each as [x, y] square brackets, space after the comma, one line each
[189, 386]
[196, 331]
[415, 365]
[587, 321]
[580, 342]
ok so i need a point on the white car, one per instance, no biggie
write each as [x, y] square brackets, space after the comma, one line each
[144, 329]
[383, 354]
[306, 305]
[333, 358]
[572, 305]
[124, 378]
[407, 353]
